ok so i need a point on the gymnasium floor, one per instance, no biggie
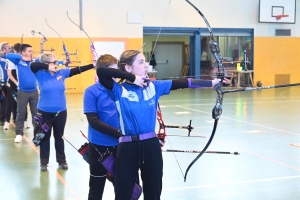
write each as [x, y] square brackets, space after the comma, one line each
[260, 125]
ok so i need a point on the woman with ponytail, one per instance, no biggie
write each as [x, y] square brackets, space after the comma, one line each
[136, 100]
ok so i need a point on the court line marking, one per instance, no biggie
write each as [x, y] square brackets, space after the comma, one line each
[267, 127]
[62, 180]
[7, 139]
[281, 94]
[233, 183]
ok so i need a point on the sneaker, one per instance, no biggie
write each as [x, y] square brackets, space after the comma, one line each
[12, 122]
[26, 125]
[18, 138]
[44, 167]
[63, 165]
[6, 125]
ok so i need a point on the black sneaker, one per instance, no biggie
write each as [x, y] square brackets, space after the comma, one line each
[43, 167]
[63, 165]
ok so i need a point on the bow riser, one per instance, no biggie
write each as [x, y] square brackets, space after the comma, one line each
[68, 60]
[94, 52]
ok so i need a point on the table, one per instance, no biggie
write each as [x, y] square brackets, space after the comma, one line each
[152, 74]
[239, 72]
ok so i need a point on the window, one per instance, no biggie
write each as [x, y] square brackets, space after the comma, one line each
[231, 48]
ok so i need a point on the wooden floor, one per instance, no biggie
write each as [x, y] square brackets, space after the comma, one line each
[263, 126]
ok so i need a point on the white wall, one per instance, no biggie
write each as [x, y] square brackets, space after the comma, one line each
[108, 18]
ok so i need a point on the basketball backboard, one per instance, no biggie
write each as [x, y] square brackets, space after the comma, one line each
[277, 11]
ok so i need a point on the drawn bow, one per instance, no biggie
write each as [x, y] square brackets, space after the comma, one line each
[217, 110]
[44, 39]
[92, 47]
[68, 60]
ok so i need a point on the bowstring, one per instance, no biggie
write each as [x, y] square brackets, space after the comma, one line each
[152, 52]
[69, 95]
[175, 156]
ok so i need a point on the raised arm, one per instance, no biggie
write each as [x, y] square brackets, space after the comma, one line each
[15, 58]
[106, 74]
[36, 66]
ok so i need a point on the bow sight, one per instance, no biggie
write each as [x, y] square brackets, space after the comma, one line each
[215, 50]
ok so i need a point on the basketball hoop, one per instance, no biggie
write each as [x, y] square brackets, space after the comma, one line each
[278, 17]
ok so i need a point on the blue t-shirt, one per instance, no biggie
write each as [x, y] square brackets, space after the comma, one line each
[3, 71]
[137, 106]
[26, 78]
[96, 100]
[52, 90]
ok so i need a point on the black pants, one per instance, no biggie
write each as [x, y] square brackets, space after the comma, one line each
[3, 102]
[58, 131]
[132, 156]
[11, 106]
[97, 171]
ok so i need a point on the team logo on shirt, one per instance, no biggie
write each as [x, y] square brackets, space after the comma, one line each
[152, 102]
[59, 77]
[130, 95]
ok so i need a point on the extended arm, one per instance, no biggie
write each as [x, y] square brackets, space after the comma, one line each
[190, 83]
[36, 66]
[79, 70]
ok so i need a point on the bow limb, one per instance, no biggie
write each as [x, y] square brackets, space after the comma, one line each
[92, 47]
[44, 39]
[203, 150]
[68, 60]
[42, 45]
[162, 133]
[217, 110]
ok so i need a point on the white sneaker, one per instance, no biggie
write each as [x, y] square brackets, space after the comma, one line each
[6, 126]
[26, 125]
[18, 138]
